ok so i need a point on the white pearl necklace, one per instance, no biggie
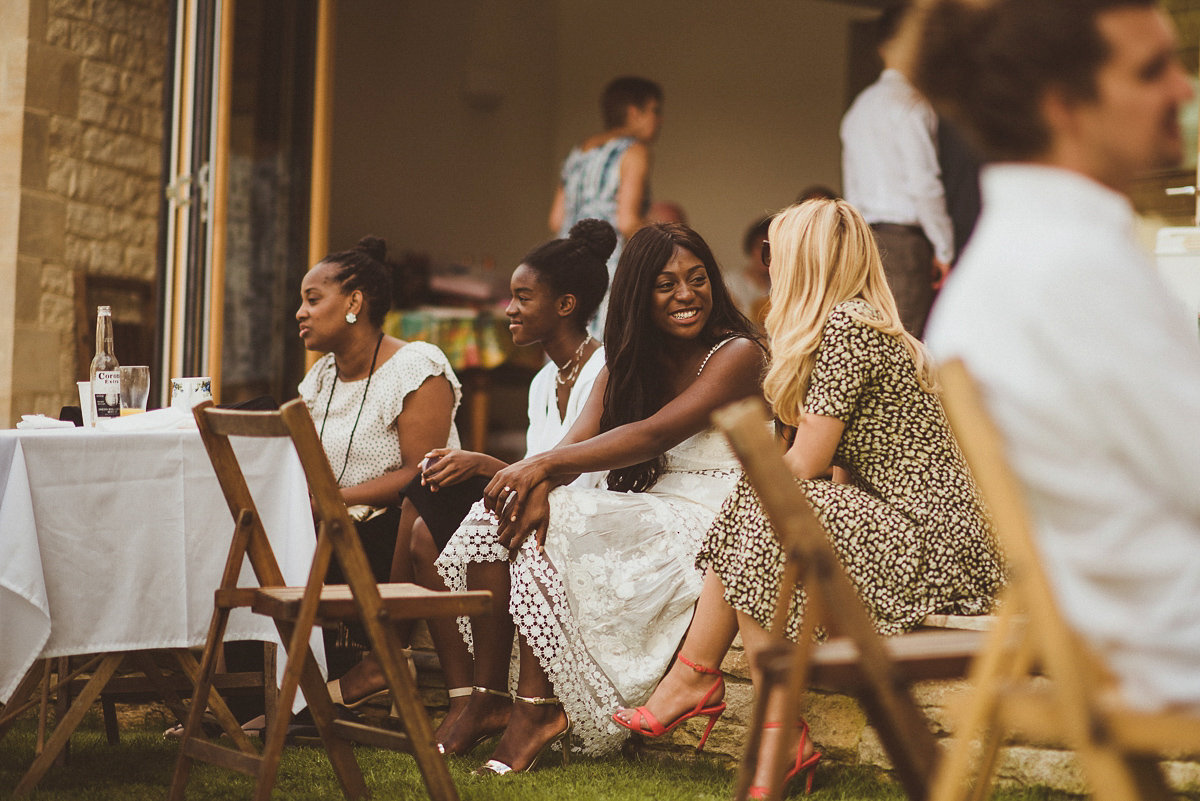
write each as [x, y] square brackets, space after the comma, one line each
[574, 365]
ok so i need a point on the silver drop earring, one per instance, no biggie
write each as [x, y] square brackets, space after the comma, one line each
[351, 318]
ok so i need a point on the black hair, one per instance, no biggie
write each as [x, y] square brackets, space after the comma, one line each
[621, 93]
[365, 267]
[889, 22]
[988, 66]
[756, 233]
[635, 350]
[577, 265]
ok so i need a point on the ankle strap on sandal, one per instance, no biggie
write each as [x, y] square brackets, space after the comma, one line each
[490, 691]
[537, 701]
[459, 692]
[699, 668]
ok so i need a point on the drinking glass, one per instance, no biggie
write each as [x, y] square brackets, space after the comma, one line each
[135, 387]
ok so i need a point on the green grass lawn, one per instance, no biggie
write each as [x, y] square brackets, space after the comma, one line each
[140, 768]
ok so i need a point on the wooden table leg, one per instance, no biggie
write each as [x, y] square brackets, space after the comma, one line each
[112, 732]
[43, 708]
[69, 722]
[62, 703]
[20, 701]
[479, 405]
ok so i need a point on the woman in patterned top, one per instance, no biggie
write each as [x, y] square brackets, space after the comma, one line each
[379, 403]
[908, 523]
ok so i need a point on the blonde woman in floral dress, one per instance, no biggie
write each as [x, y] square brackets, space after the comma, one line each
[909, 525]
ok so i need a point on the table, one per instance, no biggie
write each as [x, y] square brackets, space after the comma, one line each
[115, 542]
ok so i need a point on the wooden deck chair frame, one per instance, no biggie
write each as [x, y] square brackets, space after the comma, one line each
[1118, 748]
[296, 610]
[856, 659]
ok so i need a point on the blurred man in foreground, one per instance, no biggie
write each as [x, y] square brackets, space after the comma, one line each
[1090, 366]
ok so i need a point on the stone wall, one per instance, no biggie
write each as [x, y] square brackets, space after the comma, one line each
[90, 160]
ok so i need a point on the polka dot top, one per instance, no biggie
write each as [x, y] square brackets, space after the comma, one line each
[376, 446]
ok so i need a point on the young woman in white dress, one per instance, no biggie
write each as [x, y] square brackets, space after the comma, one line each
[600, 583]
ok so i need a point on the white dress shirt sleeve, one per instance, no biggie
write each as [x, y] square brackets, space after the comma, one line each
[922, 177]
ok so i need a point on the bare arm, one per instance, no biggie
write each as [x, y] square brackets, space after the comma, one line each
[631, 191]
[734, 372]
[558, 210]
[817, 438]
[424, 424]
[449, 466]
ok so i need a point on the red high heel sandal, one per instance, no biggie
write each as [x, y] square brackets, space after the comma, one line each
[801, 765]
[645, 723]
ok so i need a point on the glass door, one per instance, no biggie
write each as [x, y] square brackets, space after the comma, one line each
[267, 213]
[245, 204]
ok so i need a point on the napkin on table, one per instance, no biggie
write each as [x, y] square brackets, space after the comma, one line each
[29, 421]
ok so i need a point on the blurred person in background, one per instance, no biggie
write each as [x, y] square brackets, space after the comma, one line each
[607, 177]
[890, 173]
[751, 285]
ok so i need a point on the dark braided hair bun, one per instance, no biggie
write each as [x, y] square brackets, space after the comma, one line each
[365, 268]
[374, 247]
[596, 235]
[577, 265]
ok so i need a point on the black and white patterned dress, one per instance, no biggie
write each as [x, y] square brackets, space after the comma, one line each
[911, 530]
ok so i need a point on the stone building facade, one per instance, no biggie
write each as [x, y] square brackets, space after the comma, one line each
[81, 139]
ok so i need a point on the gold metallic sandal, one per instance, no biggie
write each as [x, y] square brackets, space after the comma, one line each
[494, 767]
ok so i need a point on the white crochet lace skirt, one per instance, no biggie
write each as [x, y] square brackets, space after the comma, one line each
[605, 607]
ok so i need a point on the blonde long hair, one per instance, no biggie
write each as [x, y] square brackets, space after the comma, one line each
[823, 253]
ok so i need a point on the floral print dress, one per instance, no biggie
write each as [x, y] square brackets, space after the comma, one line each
[911, 530]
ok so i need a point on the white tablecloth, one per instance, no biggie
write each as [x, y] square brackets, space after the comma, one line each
[116, 541]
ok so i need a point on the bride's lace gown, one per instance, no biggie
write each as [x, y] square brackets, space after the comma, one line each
[607, 604]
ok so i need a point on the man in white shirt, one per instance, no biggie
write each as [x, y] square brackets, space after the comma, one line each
[1089, 365]
[890, 174]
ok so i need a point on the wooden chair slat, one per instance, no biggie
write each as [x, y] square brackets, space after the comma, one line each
[374, 736]
[232, 423]
[919, 656]
[967, 622]
[235, 597]
[217, 755]
[1169, 734]
[402, 602]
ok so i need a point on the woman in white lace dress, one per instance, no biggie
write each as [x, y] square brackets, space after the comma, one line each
[601, 582]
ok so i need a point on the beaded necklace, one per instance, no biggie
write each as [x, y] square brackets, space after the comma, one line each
[574, 365]
[363, 402]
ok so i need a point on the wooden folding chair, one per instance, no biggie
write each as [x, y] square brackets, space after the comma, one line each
[297, 609]
[877, 670]
[1080, 706]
